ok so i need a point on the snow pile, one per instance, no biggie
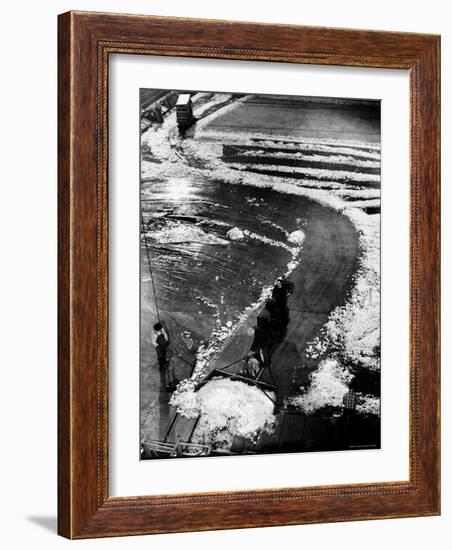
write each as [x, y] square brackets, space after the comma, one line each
[269, 139]
[352, 332]
[236, 234]
[329, 384]
[296, 237]
[226, 406]
[319, 173]
[293, 250]
[185, 399]
[291, 153]
[359, 193]
[208, 352]
[368, 203]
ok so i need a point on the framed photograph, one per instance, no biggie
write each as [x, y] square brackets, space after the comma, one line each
[248, 275]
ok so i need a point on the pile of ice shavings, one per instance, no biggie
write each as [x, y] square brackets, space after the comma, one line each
[227, 406]
[179, 233]
[236, 234]
[296, 237]
[329, 384]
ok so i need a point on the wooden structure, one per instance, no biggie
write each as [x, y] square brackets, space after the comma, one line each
[86, 505]
[177, 441]
[184, 112]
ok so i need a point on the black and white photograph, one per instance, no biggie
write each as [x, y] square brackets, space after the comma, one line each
[259, 274]
[224, 239]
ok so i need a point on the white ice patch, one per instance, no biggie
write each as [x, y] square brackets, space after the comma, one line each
[359, 193]
[337, 159]
[265, 139]
[179, 233]
[236, 234]
[320, 173]
[297, 237]
[329, 384]
[292, 250]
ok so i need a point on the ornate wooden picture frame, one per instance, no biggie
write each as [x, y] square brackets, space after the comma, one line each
[86, 40]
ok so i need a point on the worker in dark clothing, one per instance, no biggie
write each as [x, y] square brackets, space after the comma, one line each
[260, 346]
[281, 292]
[160, 340]
[277, 322]
[265, 316]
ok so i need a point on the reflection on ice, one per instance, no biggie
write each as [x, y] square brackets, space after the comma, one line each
[179, 188]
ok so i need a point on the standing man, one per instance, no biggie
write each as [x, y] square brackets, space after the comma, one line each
[160, 341]
[281, 292]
